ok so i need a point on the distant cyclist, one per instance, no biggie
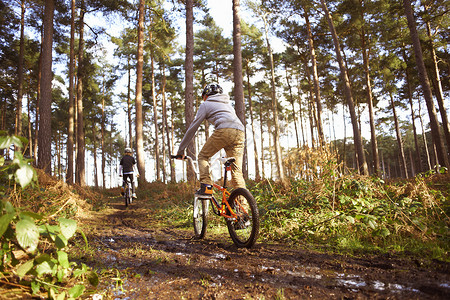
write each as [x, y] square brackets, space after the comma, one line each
[228, 135]
[127, 168]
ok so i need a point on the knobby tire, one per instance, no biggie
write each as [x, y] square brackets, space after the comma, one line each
[245, 230]
[200, 217]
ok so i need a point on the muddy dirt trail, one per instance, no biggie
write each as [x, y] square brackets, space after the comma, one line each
[157, 262]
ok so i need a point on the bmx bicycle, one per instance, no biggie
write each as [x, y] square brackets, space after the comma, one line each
[238, 208]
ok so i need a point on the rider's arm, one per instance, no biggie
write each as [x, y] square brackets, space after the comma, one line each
[120, 170]
[190, 133]
[135, 170]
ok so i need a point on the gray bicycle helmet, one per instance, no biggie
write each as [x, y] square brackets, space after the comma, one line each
[212, 89]
[128, 150]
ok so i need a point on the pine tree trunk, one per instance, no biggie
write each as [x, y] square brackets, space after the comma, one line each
[155, 112]
[250, 105]
[18, 128]
[261, 133]
[362, 165]
[442, 155]
[70, 129]
[45, 126]
[103, 139]
[438, 88]
[238, 78]
[373, 136]
[166, 123]
[291, 101]
[81, 168]
[94, 153]
[276, 132]
[30, 136]
[424, 138]
[189, 77]
[312, 54]
[403, 166]
[139, 114]
[420, 167]
[130, 121]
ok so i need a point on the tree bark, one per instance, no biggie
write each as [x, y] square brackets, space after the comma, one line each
[312, 54]
[403, 166]
[438, 90]
[189, 77]
[442, 155]
[155, 111]
[80, 177]
[130, 122]
[362, 165]
[139, 114]
[103, 137]
[70, 129]
[165, 121]
[250, 105]
[18, 127]
[373, 136]
[291, 101]
[276, 132]
[45, 126]
[237, 75]
[237, 64]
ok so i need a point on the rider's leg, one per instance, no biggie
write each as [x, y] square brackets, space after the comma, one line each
[213, 145]
[133, 188]
[235, 149]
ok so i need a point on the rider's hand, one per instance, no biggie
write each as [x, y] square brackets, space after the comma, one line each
[137, 175]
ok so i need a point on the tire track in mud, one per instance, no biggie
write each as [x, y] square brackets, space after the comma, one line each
[167, 263]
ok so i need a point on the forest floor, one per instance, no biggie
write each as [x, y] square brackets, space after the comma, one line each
[148, 259]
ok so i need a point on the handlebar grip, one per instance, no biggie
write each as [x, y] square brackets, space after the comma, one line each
[178, 156]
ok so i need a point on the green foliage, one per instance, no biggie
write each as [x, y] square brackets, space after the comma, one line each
[353, 213]
[19, 169]
[21, 234]
[34, 248]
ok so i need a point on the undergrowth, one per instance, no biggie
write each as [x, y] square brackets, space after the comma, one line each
[358, 214]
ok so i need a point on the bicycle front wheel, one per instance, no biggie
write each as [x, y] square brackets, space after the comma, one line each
[200, 217]
[244, 230]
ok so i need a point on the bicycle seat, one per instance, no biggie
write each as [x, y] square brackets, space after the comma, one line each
[227, 160]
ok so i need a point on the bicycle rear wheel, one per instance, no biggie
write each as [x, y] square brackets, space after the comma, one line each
[244, 230]
[127, 195]
[200, 217]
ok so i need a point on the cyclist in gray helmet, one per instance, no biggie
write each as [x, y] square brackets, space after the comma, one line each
[228, 135]
[128, 168]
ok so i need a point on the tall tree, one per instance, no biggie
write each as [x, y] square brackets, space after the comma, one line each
[45, 127]
[263, 13]
[80, 177]
[312, 54]
[434, 124]
[362, 165]
[189, 79]
[437, 84]
[237, 64]
[70, 130]
[237, 71]
[139, 73]
[18, 127]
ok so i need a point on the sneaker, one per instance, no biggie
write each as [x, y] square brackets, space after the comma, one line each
[205, 190]
[134, 196]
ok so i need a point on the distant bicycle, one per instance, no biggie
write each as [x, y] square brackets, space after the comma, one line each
[238, 208]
